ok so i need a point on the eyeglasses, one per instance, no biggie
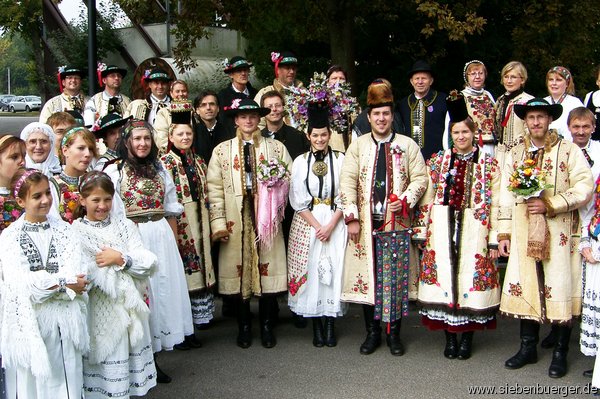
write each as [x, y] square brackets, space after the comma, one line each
[512, 77]
[475, 74]
[41, 142]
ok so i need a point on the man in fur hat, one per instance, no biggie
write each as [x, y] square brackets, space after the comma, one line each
[538, 235]
[71, 97]
[245, 216]
[158, 82]
[110, 100]
[383, 174]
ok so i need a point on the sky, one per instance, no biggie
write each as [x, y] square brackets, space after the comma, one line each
[71, 8]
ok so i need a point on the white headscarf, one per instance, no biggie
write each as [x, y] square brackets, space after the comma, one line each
[51, 165]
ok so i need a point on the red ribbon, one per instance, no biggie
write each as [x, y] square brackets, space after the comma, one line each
[60, 86]
[99, 74]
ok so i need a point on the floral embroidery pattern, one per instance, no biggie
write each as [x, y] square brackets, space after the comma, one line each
[142, 193]
[428, 273]
[547, 291]
[548, 168]
[359, 251]
[515, 289]
[486, 275]
[562, 166]
[295, 283]
[360, 285]
[263, 269]
[10, 212]
[236, 163]
[69, 198]
[563, 239]
[229, 226]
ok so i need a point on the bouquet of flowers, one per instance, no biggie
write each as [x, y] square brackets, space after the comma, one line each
[273, 186]
[528, 180]
[338, 98]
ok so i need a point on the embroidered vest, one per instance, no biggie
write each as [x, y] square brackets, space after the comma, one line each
[142, 196]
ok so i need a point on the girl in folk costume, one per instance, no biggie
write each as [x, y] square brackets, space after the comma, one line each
[147, 196]
[480, 107]
[318, 234]
[193, 226]
[247, 191]
[509, 128]
[561, 88]
[459, 288]
[39, 141]
[12, 157]
[44, 329]
[78, 149]
[108, 134]
[120, 361]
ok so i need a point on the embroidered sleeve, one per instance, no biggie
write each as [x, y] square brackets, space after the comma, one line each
[300, 199]
[216, 195]
[349, 183]
[417, 172]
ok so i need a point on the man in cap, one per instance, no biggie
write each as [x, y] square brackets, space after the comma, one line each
[372, 192]
[238, 69]
[109, 131]
[286, 67]
[238, 199]
[424, 111]
[538, 233]
[71, 97]
[157, 81]
[110, 100]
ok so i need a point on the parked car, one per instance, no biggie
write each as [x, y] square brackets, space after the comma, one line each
[5, 100]
[25, 103]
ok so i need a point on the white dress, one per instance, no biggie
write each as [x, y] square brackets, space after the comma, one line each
[315, 268]
[44, 329]
[170, 308]
[120, 362]
[569, 103]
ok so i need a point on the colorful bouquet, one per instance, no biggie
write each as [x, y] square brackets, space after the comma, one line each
[528, 180]
[273, 187]
[340, 103]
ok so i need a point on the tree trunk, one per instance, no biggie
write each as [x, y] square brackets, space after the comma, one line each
[37, 47]
[340, 16]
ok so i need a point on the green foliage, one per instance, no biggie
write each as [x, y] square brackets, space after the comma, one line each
[12, 53]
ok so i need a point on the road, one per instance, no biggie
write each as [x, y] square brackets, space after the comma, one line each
[296, 369]
[14, 124]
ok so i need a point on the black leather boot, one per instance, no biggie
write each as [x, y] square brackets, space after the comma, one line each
[451, 349]
[266, 312]
[244, 338]
[393, 339]
[318, 339]
[466, 344]
[161, 376]
[373, 327]
[330, 339]
[551, 338]
[558, 366]
[529, 339]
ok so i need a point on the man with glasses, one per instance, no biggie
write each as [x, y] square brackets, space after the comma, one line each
[71, 97]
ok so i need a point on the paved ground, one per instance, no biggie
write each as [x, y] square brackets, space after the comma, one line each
[14, 124]
[296, 369]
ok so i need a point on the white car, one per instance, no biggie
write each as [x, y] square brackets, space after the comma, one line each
[25, 103]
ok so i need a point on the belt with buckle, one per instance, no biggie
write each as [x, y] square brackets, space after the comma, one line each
[155, 217]
[317, 201]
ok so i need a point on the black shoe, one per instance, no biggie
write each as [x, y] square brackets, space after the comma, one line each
[182, 346]
[244, 338]
[526, 355]
[451, 349]
[318, 339]
[192, 342]
[330, 339]
[161, 376]
[588, 373]
[466, 345]
[551, 338]
[267, 338]
[373, 340]
[558, 366]
[393, 339]
[299, 321]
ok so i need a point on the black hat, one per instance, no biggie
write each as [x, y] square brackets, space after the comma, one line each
[236, 63]
[157, 74]
[318, 115]
[285, 58]
[457, 107]
[65, 71]
[420, 66]
[181, 112]
[108, 122]
[78, 117]
[112, 69]
[245, 105]
[554, 110]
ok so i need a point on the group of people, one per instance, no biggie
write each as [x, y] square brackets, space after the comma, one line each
[129, 217]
